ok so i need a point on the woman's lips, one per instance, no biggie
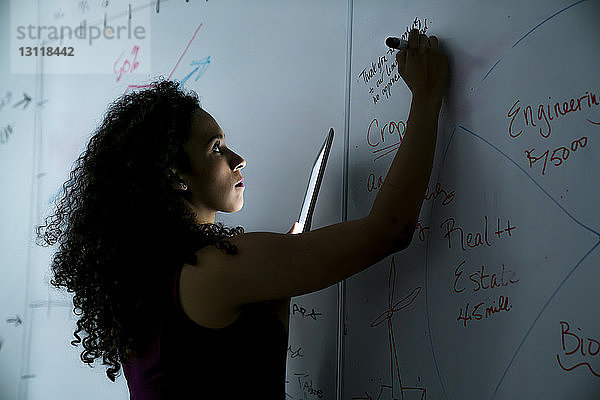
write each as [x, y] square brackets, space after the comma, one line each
[240, 184]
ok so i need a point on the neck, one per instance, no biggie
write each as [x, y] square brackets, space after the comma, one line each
[202, 214]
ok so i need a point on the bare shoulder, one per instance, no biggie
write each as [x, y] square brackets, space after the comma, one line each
[202, 300]
[273, 266]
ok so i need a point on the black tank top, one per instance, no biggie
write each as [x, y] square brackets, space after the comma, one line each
[188, 361]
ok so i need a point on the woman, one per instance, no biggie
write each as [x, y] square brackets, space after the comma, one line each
[188, 306]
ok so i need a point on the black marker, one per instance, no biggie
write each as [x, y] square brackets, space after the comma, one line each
[396, 43]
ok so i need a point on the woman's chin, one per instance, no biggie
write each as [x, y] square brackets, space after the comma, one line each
[240, 207]
[235, 208]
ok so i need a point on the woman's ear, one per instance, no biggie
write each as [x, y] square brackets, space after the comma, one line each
[178, 182]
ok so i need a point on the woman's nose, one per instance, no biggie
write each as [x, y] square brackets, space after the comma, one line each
[238, 162]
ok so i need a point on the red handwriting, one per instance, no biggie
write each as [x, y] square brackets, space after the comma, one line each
[481, 311]
[573, 343]
[482, 280]
[477, 282]
[559, 155]
[374, 183]
[521, 118]
[421, 228]
[126, 66]
[376, 137]
[390, 128]
[447, 196]
[473, 240]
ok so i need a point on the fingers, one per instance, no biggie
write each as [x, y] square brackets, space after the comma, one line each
[433, 42]
[416, 42]
[295, 229]
[401, 61]
[413, 39]
[422, 66]
[423, 41]
[419, 40]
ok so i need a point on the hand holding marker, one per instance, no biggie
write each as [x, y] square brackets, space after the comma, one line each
[422, 65]
[396, 43]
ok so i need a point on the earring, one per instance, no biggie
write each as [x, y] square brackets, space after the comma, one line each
[180, 183]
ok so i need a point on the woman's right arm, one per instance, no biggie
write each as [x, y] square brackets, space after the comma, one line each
[272, 266]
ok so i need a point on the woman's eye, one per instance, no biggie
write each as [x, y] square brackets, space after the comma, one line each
[216, 146]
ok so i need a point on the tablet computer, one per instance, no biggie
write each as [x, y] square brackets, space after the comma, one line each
[314, 183]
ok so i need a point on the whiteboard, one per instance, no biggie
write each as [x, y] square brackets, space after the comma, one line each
[277, 76]
[493, 299]
[271, 73]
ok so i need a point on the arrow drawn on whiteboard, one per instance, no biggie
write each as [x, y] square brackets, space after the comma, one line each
[16, 320]
[201, 67]
[25, 101]
[176, 65]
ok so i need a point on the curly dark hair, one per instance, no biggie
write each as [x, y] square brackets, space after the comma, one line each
[121, 226]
